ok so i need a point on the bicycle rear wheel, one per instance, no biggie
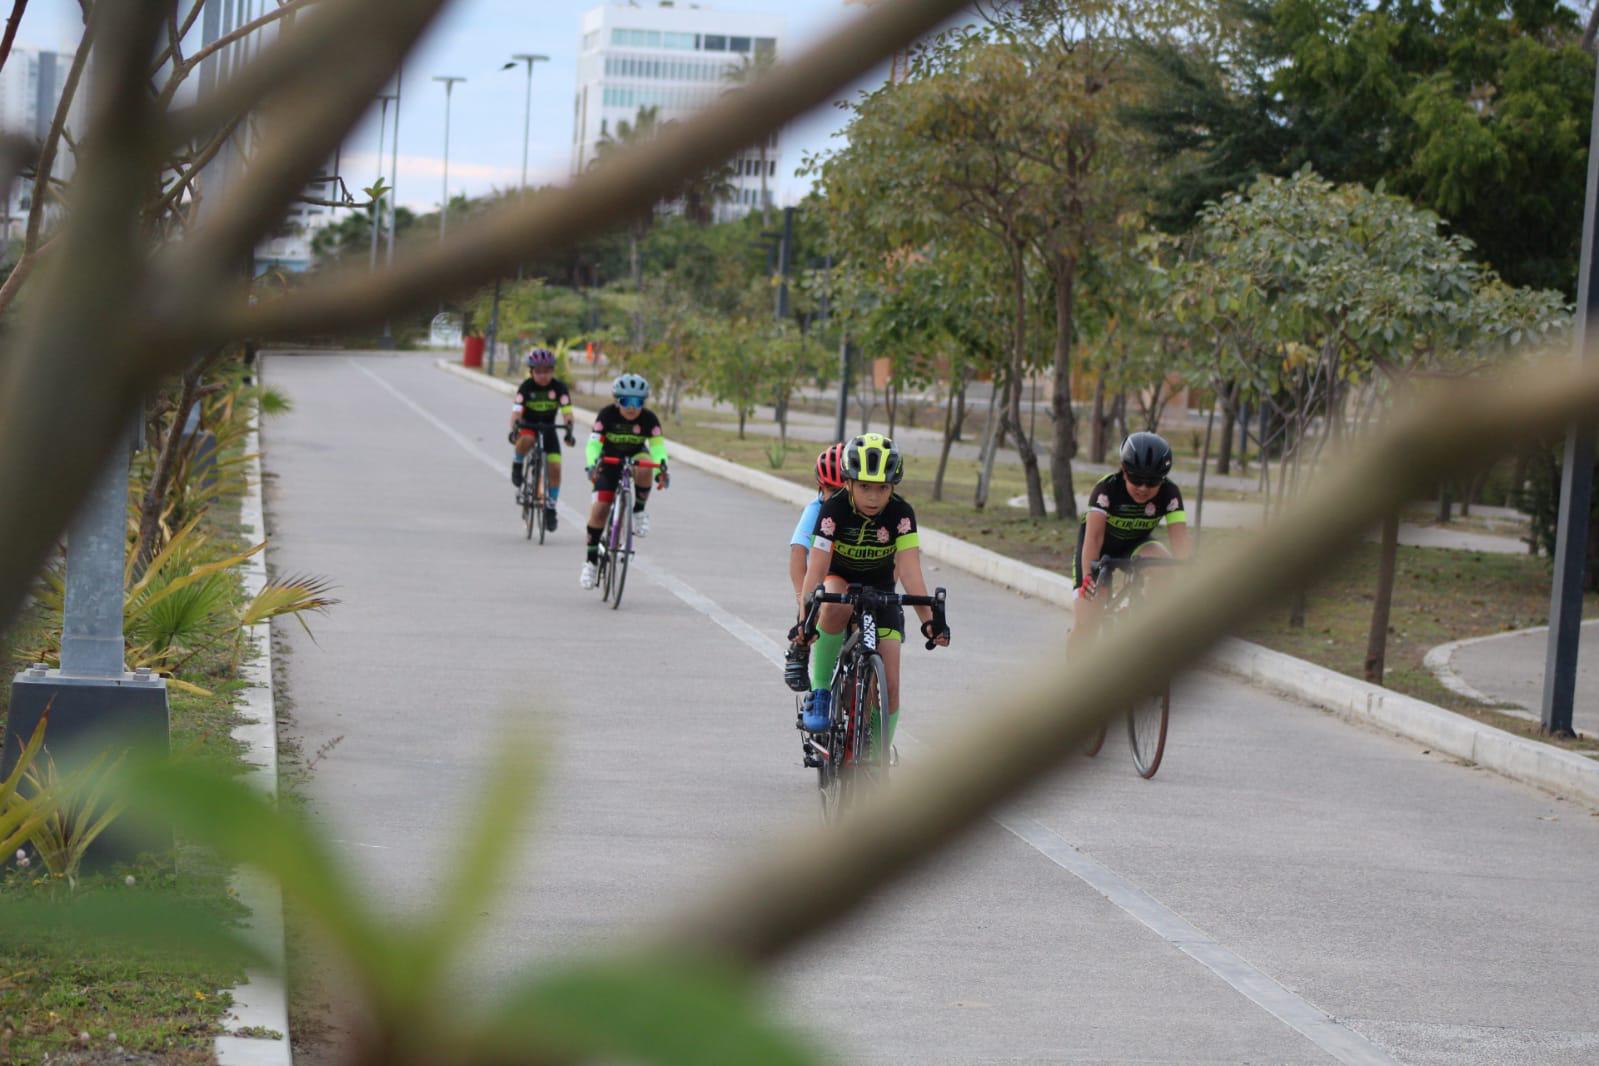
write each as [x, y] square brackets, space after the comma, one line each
[840, 790]
[1095, 742]
[1146, 728]
[873, 702]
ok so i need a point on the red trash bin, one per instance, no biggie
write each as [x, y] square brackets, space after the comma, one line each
[473, 356]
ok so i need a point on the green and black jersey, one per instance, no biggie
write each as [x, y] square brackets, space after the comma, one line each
[864, 546]
[619, 437]
[1128, 523]
[537, 405]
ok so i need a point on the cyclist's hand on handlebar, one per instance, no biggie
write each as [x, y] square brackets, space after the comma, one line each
[591, 472]
[513, 435]
[662, 481]
[1090, 587]
[936, 638]
[571, 441]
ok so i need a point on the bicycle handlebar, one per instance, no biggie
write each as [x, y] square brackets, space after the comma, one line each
[859, 596]
[611, 460]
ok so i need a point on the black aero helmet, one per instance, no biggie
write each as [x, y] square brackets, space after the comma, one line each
[872, 457]
[1146, 457]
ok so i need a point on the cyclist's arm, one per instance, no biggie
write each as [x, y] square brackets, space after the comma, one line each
[1093, 540]
[596, 444]
[658, 449]
[798, 557]
[816, 564]
[516, 413]
[908, 568]
[1182, 543]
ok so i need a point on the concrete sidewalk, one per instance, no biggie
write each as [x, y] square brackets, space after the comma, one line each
[1507, 670]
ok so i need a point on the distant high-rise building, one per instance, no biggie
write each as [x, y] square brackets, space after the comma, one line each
[676, 58]
[31, 84]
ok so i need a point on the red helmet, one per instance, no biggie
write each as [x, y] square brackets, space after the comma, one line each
[830, 468]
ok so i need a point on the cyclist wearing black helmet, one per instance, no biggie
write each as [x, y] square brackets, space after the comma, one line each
[540, 398]
[1124, 508]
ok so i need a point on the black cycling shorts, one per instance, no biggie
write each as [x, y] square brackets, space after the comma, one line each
[547, 430]
[609, 475]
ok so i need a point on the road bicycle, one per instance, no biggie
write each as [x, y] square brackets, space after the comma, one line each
[846, 757]
[616, 543]
[533, 498]
[1125, 581]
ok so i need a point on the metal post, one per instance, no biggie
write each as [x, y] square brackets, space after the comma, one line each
[91, 634]
[493, 335]
[843, 388]
[449, 81]
[394, 194]
[1576, 492]
[785, 255]
[527, 59]
[378, 208]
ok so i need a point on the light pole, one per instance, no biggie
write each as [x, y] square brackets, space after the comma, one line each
[378, 208]
[394, 194]
[528, 59]
[449, 81]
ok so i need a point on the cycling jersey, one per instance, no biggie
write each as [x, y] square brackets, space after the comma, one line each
[618, 437]
[536, 405]
[1128, 523]
[864, 546]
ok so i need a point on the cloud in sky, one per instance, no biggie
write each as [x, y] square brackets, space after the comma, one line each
[362, 166]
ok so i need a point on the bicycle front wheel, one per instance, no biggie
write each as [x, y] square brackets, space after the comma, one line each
[625, 556]
[527, 497]
[540, 491]
[1146, 728]
[836, 799]
[872, 702]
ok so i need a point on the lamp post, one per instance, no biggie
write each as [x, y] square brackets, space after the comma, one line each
[449, 81]
[378, 207]
[527, 59]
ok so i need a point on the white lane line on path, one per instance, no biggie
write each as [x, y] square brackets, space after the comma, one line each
[1316, 1025]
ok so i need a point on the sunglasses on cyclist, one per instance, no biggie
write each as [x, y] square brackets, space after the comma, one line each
[630, 405]
[1143, 484]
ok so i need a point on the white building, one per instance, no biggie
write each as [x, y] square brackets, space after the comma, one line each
[675, 57]
[31, 83]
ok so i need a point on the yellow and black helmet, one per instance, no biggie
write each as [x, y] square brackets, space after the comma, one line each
[872, 457]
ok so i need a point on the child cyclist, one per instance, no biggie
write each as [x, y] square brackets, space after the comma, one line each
[538, 400]
[623, 428]
[1124, 508]
[829, 479]
[865, 535]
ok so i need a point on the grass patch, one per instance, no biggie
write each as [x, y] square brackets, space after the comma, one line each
[1439, 595]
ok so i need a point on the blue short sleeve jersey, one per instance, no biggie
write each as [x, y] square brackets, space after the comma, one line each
[807, 525]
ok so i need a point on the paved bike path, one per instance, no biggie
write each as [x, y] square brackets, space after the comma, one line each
[1428, 907]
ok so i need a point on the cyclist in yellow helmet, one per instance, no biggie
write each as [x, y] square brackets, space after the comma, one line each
[865, 535]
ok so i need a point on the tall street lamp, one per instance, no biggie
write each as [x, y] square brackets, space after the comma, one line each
[444, 203]
[527, 105]
[380, 204]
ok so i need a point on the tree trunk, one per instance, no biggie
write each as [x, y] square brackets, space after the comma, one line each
[960, 407]
[1445, 502]
[1204, 463]
[891, 401]
[1296, 610]
[1063, 444]
[742, 414]
[990, 446]
[155, 490]
[637, 271]
[1118, 414]
[1224, 456]
[951, 426]
[1096, 444]
[1013, 409]
[1377, 641]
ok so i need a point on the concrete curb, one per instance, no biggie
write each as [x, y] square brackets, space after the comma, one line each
[988, 565]
[1562, 772]
[1518, 758]
[1440, 661]
[261, 1003]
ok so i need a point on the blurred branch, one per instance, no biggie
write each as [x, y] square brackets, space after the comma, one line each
[182, 68]
[793, 894]
[627, 184]
[17, 8]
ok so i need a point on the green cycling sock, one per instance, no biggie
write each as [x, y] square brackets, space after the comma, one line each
[824, 656]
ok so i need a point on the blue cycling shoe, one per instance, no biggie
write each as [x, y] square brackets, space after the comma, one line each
[818, 713]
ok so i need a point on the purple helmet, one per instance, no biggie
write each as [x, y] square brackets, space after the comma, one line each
[540, 358]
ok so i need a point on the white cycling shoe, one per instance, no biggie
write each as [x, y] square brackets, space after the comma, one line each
[641, 523]
[589, 576]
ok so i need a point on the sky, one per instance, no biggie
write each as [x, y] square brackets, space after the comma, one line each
[473, 39]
